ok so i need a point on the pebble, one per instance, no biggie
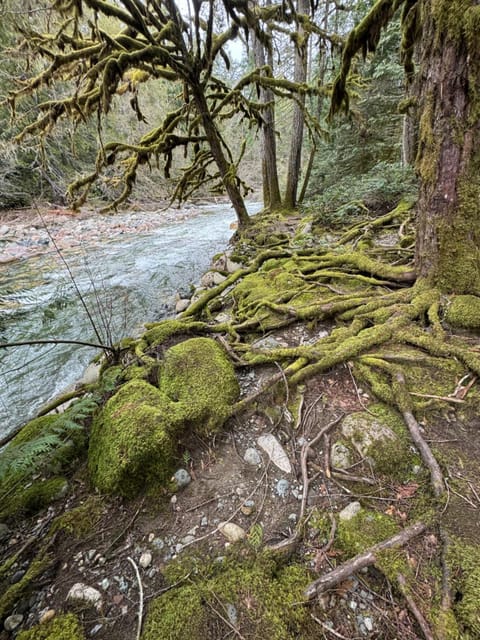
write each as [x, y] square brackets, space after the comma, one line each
[248, 507]
[17, 576]
[182, 304]
[95, 629]
[158, 543]
[145, 559]
[282, 487]
[252, 456]
[232, 614]
[350, 511]
[12, 622]
[105, 583]
[368, 622]
[47, 615]
[83, 593]
[182, 478]
[232, 532]
[204, 521]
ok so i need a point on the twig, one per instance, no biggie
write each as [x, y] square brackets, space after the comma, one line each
[140, 604]
[459, 495]
[123, 531]
[425, 451]
[205, 502]
[344, 475]
[362, 560]
[225, 620]
[419, 617]
[329, 629]
[326, 456]
[433, 397]
[303, 462]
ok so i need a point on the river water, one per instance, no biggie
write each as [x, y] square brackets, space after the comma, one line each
[125, 282]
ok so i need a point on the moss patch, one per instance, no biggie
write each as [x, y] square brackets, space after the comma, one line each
[258, 596]
[464, 561]
[464, 312]
[64, 627]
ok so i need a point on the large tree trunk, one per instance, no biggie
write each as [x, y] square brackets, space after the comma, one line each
[300, 76]
[226, 170]
[271, 189]
[448, 159]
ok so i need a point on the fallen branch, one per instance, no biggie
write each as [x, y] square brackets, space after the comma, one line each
[418, 615]
[425, 451]
[362, 560]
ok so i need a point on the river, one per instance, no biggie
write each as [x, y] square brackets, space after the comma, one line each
[125, 282]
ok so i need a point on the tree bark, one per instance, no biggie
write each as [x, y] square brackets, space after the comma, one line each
[300, 76]
[271, 189]
[227, 174]
[448, 159]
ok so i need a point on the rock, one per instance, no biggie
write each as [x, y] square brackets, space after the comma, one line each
[248, 507]
[267, 343]
[145, 559]
[182, 304]
[350, 511]
[105, 583]
[232, 532]
[158, 543]
[232, 266]
[204, 521]
[368, 622]
[91, 374]
[83, 594]
[340, 456]
[275, 451]
[12, 622]
[365, 430]
[4, 230]
[187, 540]
[208, 279]
[218, 278]
[182, 478]
[95, 629]
[232, 614]
[282, 487]
[223, 317]
[17, 576]
[47, 615]
[252, 457]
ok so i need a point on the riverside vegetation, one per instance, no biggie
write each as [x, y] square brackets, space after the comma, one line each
[321, 337]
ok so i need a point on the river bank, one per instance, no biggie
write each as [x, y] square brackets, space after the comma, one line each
[26, 233]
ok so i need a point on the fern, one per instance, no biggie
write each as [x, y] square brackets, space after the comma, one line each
[22, 460]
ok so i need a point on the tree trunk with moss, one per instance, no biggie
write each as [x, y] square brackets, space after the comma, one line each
[448, 159]
[227, 170]
[300, 76]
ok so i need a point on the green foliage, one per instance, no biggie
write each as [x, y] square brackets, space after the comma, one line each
[347, 198]
[62, 627]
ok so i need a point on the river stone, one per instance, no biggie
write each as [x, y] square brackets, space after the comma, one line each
[12, 622]
[232, 532]
[275, 452]
[182, 304]
[340, 456]
[208, 279]
[47, 615]
[83, 594]
[232, 266]
[365, 431]
[350, 511]
[218, 278]
[252, 457]
[145, 559]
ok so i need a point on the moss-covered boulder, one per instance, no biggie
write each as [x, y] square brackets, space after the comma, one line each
[134, 439]
[132, 443]
[64, 627]
[464, 312]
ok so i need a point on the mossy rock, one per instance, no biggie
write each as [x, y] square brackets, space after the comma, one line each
[262, 598]
[132, 440]
[135, 438]
[464, 312]
[381, 436]
[64, 627]
[199, 378]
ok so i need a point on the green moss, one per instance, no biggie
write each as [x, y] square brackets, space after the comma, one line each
[81, 520]
[464, 561]
[17, 590]
[131, 443]
[366, 529]
[28, 500]
[464, 312]
[34, 429]
[262, 594]
[135, 438]
[63, 627]
[199, 379]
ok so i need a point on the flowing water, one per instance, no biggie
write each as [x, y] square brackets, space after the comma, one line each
[125, 282]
